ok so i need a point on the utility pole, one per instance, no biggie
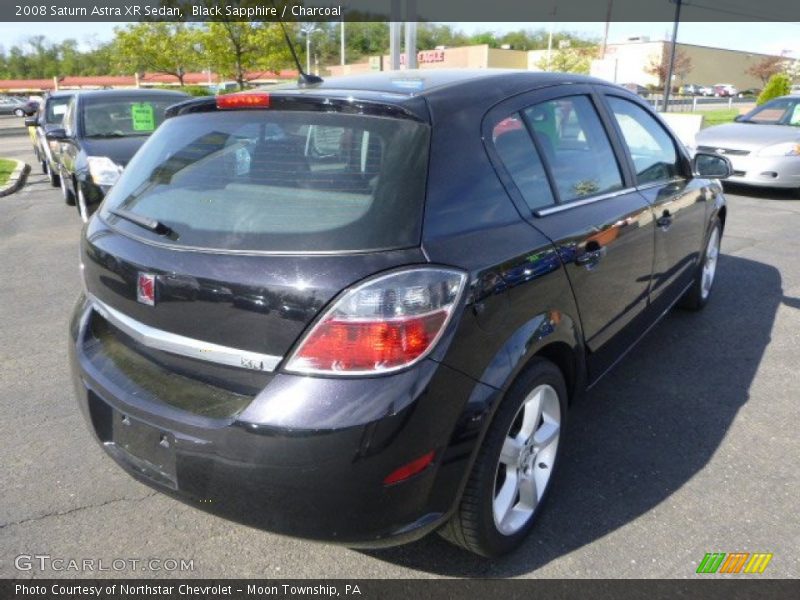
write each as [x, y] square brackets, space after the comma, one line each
[411, 34]
[671, 67]
[608, 23]
[341, 47]
[394, 35]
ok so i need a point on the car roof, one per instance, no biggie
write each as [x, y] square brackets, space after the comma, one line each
[426, 82]
[128, 92]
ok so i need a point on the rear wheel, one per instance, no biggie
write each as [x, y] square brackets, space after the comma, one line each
[697, 296]
[514, 467]
[19, 112]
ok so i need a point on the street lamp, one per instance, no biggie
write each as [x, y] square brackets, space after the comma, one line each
[307, 31]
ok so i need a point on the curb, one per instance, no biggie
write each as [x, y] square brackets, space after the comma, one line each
[17, 179]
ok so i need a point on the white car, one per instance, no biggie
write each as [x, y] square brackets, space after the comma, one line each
[725, 89]
[795, 90]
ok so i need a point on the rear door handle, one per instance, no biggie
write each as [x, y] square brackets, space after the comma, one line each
[665, 220]
[592, 256]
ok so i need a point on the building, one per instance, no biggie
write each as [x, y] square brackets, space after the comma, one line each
[463, 57]
[630, 61]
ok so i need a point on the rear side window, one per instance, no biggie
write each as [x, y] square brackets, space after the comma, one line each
[284, 181]
[122, 117]
[520, 158]
[651, 148]
[575, 145]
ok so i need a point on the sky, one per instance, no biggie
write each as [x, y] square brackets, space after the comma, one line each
[761, 37]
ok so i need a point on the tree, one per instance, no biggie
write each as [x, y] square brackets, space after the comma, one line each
[169, 48]
[568, 60]
[766, 68]
[244, 50]
[778, 85]
[659, 65]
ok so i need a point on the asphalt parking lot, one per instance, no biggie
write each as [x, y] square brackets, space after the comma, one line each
[690, 446]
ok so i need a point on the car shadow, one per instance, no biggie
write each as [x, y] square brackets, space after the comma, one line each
[644, 431]
[761, 193]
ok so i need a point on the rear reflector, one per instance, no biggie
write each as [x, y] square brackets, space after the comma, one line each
[251, 100]
[410, 469]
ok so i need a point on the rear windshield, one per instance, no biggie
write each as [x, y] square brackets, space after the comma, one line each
[124, 117]
[283, 181]
[56, 107]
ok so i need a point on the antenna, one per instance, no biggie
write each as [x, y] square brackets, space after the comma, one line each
[304, 77]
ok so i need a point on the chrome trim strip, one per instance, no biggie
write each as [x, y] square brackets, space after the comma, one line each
[185, 346]
[543, 212]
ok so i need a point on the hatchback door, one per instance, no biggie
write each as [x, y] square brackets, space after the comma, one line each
[561, 167]
[663, 177]
[263, 217]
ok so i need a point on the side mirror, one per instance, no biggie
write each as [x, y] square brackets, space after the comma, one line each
[738, 118]
[711, 166]
[57, 135]
[31, 122]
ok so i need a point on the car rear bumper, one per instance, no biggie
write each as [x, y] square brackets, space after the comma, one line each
[319, 481]
[779, 172]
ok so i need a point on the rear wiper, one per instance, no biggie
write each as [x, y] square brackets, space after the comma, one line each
[146, 222]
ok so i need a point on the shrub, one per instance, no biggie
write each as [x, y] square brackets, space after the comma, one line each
[778, 85]
[197, 90]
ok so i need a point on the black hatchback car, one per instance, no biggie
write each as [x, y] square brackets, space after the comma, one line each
[101, 131]
[359, 311]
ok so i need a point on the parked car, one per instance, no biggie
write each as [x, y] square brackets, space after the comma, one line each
[694, 89]
[762, 145]
[48, 119]
[101, 131]
[749, 93]
[637, 89]
[725, 90]
[795, 90]
[11, 105]
[419, 306]
[28, 108]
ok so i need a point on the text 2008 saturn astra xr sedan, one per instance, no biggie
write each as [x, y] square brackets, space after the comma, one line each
[358, 311]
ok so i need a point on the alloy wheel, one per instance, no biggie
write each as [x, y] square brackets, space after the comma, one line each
[710, 264]
[526, 459]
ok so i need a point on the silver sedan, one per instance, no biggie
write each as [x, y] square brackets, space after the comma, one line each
[762, 145]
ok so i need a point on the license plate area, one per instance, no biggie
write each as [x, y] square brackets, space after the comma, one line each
[145, 449]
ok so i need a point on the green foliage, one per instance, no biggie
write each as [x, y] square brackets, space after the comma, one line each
[197, 90]
[155, 47]
[778, 85]
[6, 168]
[37, 58]
[568, 60]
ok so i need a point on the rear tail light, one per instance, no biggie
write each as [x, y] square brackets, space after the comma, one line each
[382, 325]
[249, 100]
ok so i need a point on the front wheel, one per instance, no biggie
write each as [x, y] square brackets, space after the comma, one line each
[697, 295]
[514, 467]
[52, 175]
[19, 112]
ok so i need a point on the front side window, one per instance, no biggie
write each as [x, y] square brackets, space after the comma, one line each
[576, 147]
[56, 107]
[651, 148]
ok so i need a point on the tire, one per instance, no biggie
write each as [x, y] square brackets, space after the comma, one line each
[69, 198]
[55, 180]
[44, 166]
[697, 296]
[497, 511]
[19, 112]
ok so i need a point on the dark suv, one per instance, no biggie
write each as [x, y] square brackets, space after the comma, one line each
[359, 311]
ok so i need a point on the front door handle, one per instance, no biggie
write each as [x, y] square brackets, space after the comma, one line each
[665, 220]
[594, 252]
